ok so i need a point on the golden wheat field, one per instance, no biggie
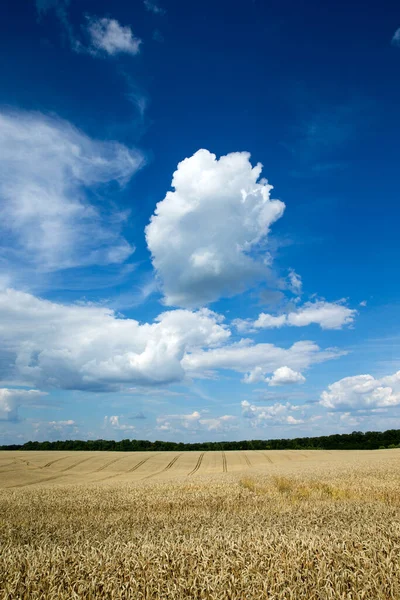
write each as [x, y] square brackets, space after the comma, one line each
[234, 525]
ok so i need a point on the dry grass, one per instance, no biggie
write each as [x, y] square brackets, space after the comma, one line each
[314, 528]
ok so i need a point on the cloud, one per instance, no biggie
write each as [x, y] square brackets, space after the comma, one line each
[207, 236]
[243, 357]
[295, 282]
[60, 8]
[323, 129]
[89, 347]
[396, 38]
[285, 376]
[266, 321]
[49, 171]
[154, 8]
[281, 376]
[56, 430]
[195, 422]
[272, 298]
[113, 423]
[109, 37]
[362, 392]
[12, 399]
[68, 422]
[276, 414]
[138, 415]
[328, 315]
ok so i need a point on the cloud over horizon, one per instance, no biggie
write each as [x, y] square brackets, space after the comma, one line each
[362, 392]
[88, 347]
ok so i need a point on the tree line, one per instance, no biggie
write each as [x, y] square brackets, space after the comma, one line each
[357, 440]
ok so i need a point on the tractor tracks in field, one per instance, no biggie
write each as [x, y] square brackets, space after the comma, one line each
[10, 464]
[76, 464]
[139, 464]
[268, 458]
[22, 485]
[246, 458]
[52, 462]
[224, 463]
[110, 462]
[167, 468]
[120, 473]
[198, 465]
[53, 477]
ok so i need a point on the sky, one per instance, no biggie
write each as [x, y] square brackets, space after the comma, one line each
[199, 208]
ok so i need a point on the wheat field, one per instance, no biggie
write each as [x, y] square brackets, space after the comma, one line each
[168, 526]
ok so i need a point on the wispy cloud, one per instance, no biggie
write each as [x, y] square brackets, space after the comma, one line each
[49, 171]
[323, 128]
[107, 36]
[60, 8]
[154, 7]
[396, 38]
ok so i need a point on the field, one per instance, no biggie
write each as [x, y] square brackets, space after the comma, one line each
[168, 526]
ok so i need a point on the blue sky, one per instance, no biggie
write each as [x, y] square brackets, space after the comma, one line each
[153, 283]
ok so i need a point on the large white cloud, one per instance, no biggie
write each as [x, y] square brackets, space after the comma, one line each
[328, 315]
[247, 357]
[109, 37]
[362, 392]
[90, 347]
[47, 168]
[204, 235]
[12, 399]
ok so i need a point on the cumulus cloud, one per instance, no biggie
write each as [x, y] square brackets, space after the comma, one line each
[396, 38]
[206, 237]
[89, 347]
[107, 36]
[266, 321]
[276, 414]
[194, 422]
[48, 169]
[328, 315]
[12, 399]
[286, 376]
[281, 376]
[362, 392]
[247, 357]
